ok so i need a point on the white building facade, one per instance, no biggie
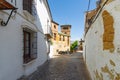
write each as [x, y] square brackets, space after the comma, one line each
[102, 46]
[24, 41]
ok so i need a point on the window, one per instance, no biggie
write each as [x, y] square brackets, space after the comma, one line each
[30, 45]
[54, 26]
[63, 38]
[27, 5]
[68, 41]
[54, 36]
[60, 38]
[65, 27]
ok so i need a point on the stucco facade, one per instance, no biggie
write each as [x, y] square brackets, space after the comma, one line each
[102, 47]
[60, 40]
[12, 64]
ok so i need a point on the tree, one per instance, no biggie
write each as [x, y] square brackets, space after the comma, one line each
[73, 46]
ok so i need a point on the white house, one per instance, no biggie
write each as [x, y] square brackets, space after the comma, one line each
[25, 30]
[102, 41]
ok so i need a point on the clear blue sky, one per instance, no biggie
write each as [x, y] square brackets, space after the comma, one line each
[71, 12]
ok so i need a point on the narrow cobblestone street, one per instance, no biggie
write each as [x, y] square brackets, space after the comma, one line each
[63, 67]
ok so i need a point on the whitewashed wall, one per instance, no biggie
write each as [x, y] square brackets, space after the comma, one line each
[51, 51]
[11, 42]
[102, 64]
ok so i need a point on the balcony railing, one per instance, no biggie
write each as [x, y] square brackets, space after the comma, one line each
[48, 31]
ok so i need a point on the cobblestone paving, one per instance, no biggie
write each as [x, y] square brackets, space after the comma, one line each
[64, 67]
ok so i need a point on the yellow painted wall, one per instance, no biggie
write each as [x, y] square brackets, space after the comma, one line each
[57, 44]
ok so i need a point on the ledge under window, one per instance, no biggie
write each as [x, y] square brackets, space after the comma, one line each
[29, 62]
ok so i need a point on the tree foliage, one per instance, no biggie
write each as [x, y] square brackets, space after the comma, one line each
[73, 45]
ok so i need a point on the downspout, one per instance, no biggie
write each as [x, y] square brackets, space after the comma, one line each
[85, 53]
[48, 42]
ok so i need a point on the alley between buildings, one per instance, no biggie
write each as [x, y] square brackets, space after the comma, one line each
[63, 67]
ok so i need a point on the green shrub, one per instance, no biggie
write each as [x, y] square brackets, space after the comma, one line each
[73, 45]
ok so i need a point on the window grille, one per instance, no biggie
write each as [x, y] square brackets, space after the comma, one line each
[30, 45]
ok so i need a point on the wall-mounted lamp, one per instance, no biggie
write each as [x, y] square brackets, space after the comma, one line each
[4, 5]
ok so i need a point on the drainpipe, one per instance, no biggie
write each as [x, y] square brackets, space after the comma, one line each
[48, 41]
[85, 53]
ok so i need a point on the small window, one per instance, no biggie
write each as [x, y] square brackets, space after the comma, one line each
[68, 41]
[55, 26]
[65, 27]
[54, 36]
[30, 45]
[63, 38]
[60, 38]
[65, 32]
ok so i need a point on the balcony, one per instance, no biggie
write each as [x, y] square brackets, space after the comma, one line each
[48, 32]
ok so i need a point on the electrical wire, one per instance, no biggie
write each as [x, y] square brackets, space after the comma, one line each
[88, 9]
[88, 6]
[87, 14]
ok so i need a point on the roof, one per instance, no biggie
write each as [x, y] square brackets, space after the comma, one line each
[55, 22]
[66, 25]
[63, 34]
[4, 5]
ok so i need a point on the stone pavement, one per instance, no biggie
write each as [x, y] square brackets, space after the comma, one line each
[63, 67]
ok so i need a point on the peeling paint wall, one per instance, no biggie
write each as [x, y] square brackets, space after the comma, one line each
[102, 44]
[108, 35]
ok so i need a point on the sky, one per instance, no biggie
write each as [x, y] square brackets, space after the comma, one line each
[71, 12]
